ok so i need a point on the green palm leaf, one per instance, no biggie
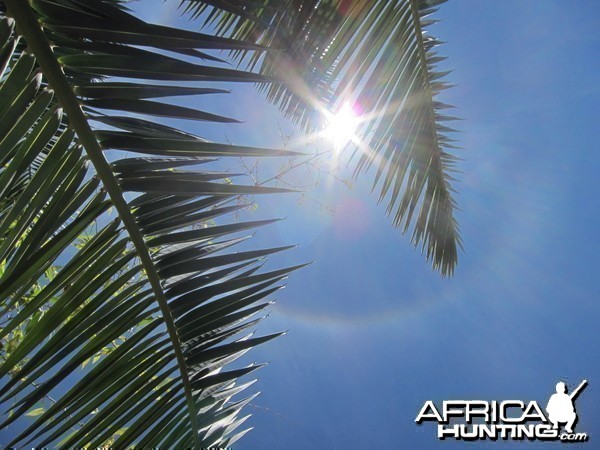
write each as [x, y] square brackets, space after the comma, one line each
[377, 55]
[184, 302]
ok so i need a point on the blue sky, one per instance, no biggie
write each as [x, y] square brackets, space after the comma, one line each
[373, 332]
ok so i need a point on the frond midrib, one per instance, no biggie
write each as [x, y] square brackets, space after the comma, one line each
[436, 161]
[30, 29]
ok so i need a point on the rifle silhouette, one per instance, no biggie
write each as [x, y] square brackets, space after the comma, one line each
[579, 388]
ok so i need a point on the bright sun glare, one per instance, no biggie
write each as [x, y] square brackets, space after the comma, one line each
[341, 125]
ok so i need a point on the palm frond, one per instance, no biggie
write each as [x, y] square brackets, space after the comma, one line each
[185, 302]
[378, 56]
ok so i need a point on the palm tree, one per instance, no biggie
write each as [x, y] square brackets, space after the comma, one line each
[173, 289]
[377, 55]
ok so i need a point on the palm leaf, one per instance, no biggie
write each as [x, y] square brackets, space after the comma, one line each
[184, 301]
[377, 55]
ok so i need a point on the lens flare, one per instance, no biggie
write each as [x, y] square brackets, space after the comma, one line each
[342, 125]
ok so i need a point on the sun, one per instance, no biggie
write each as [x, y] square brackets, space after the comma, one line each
[341, 125]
